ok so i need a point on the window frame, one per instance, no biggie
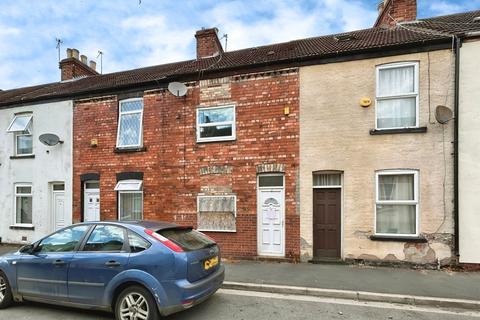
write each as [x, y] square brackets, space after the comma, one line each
[415, 94]
[15, 196]
[234, 196]
[415, 202]
[78, 246]
[88, 234]
[22, 134]
[212, 124]
[121, 192]
[120, 114]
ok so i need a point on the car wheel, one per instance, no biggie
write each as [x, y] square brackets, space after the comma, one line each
[136, 303]
[6, 297]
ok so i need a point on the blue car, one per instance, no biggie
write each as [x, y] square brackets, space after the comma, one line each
[137, 269]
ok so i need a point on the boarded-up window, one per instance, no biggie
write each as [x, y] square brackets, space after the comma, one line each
[217, 213]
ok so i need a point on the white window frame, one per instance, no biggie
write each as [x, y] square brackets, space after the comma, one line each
[327, 186]
[415, 202]
[120, 193]
[29, 122]
[218, 196]
[16, 195]
[202, 125]
[414, 94]
[120, 114]
[22, 134]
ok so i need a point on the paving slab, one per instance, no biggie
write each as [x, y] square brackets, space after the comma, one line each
[425, 283]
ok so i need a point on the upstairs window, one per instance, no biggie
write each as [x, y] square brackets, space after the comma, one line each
[130, 122]
[216, 124]
[130, 199]
[397, 96]
[21, 127]
[397, 203]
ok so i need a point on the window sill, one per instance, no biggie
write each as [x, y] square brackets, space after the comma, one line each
[22, 227]
[415, 239]
[128, 150]
[217, 140]
[375, 132]
[28, 156]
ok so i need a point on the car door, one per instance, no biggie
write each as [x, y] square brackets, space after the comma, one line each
[43, 272]
[103, 255]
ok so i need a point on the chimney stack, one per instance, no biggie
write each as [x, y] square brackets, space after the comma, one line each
[391, 12]
[71, 67]
[93, 65]
[208, 44]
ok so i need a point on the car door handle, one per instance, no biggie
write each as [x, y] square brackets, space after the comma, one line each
[112, 263]
[59, 262]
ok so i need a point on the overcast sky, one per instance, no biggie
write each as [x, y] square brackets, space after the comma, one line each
[135, 34]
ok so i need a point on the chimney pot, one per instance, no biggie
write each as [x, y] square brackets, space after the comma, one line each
[84, 59]
[69, 53]
[93, 65]
[75, 53]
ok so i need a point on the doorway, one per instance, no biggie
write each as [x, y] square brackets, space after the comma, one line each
[91, 207]
[58, 205]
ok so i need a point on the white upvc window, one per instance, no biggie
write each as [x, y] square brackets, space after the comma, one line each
[216, 123]
[21, 127]
[130, 123]
[130, 199]
[396, 210]
[217, 213]
[397, 97]
[23, 204]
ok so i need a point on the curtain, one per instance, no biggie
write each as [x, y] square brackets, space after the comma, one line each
[396, 218]
[396, 112]
[131, 206]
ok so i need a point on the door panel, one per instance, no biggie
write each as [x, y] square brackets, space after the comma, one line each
[326, 223]
[92, 205]
[59, 209]
[272, 214]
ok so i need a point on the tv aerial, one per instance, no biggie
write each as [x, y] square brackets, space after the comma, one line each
[178, 89]
[50, 139]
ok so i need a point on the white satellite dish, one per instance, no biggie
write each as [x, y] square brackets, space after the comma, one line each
[178, 89]
[443, 114]
[49, 139]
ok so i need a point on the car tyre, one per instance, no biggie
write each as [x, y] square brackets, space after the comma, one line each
[6, 297]
[136, 302]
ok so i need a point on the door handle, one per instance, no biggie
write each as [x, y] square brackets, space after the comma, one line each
[59, 262]
[112, 263]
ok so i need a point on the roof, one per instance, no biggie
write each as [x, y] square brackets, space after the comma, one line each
[411, 34]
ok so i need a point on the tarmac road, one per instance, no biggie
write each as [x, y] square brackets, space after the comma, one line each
[244, 305]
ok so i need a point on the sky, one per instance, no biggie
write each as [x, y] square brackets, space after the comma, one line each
[140, 33]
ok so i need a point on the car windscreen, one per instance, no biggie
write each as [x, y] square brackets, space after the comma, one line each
[187, 238]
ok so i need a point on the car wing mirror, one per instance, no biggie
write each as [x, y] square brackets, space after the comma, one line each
[27, 249]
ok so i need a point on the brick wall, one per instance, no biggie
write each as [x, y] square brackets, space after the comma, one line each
[397, 11]
[73, 68]
[176, 168]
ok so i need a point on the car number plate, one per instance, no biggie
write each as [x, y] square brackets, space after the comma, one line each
[210, 263]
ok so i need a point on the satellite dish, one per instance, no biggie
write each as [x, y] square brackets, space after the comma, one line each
[178, 89]
[443, 114]
[49, 139]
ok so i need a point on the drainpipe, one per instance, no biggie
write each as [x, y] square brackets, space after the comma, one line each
[458, 45]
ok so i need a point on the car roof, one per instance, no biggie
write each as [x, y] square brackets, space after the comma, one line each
[147, 224]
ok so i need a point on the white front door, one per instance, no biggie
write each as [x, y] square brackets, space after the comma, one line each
[92, 205]
[271, 216]
[59, 209]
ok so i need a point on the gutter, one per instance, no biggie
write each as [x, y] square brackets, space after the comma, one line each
[458, 45]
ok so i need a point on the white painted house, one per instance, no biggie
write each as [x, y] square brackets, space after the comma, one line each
[35, 179]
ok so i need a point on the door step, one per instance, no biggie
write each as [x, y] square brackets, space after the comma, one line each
[327, 261]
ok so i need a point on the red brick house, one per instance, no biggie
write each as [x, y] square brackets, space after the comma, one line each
[202, 159]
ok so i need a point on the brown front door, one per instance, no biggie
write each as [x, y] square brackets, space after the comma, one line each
[326, 223]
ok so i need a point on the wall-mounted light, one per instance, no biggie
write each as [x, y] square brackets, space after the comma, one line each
[286, 110]
[94, 143]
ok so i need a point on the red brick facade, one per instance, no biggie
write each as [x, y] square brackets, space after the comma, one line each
[72, 68]
[396, 11]
[266, 133]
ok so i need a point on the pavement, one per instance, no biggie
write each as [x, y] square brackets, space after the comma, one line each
[393, 285]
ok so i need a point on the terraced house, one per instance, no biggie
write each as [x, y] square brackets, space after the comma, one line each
[320, 148]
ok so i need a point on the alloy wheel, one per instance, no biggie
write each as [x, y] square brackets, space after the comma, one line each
[134, 306]
[3, 289]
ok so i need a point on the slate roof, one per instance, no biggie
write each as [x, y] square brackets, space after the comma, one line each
[410, 34]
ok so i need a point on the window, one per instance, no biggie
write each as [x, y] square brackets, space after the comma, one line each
[397, 96]
[327, 180]
[217, 213]
[130, 199]
[137, 243]
[270, 181]
[63, 241]
[21, 128]
[216, 124]
[130, 131]
[23, 204]
[397, 203]
[106, 238]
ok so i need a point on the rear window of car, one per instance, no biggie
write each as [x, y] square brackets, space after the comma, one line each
[188, 239]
